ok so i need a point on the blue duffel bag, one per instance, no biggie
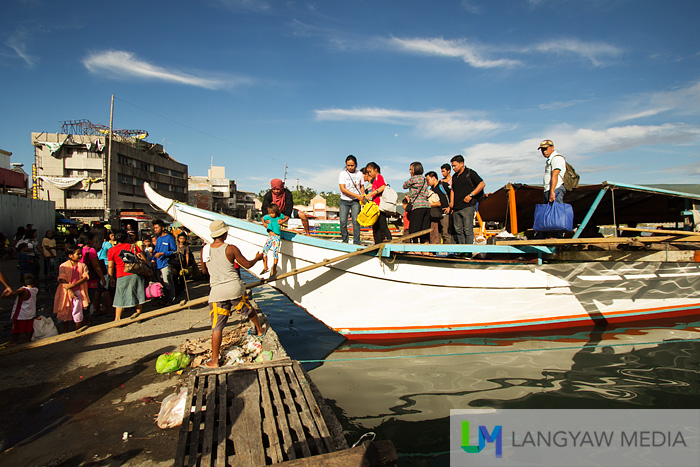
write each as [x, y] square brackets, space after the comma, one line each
[553, 216]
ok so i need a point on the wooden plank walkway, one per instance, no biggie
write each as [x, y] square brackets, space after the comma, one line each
[251, 415]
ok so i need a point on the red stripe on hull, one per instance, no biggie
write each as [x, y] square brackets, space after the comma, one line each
[384, 335]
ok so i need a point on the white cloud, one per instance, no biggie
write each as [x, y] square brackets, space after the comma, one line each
[449, 125]
[560, 105]
[471, 7]
[318, 178]
[251, 5]
[683, 101]
[595, 52]
[121, 64]
[17, 42]
[593, 149]
[471, 54]
[477, 55]
[684, 170]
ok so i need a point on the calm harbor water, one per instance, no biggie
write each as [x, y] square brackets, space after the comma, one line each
[405, 392]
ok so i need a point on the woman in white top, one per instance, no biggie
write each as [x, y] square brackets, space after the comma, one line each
[351, 183]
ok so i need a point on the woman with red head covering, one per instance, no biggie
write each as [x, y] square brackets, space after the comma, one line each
[283, 198]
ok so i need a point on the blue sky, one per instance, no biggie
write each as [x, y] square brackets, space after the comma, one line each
[257, 84]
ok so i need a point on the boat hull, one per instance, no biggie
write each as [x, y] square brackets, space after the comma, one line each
[406, 297]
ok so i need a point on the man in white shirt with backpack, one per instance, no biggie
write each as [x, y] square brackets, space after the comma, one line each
[554, 171]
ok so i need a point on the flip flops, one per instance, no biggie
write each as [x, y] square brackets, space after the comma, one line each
[253, 332]
[206, 367]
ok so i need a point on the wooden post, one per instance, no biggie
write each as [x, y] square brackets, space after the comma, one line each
[513, 211]
[106, 165]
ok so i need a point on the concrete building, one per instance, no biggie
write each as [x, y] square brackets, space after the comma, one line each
[217, 193]
[13, 180]
[318, 209]
[246, 205]
[71, 171]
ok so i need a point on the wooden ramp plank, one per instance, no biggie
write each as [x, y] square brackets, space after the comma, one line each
[209, 407]
[269, 426]
[305, 412]
[313, 406]
[374, 454]
[185, 427]
[222, 431]
[193, 456]
[294, 420]
[281, 418]
[246, 420]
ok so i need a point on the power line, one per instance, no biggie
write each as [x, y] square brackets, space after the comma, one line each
[196, 129]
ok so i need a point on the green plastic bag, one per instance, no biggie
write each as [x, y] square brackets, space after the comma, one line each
[172, 361]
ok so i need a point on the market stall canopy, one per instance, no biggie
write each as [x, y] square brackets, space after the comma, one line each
[633, 204]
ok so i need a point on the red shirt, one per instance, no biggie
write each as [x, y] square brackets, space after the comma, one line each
[113, 255]
[376, 184]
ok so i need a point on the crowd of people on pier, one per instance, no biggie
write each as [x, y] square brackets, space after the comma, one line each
[87, 273]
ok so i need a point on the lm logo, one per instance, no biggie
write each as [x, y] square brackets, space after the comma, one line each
[484, 437]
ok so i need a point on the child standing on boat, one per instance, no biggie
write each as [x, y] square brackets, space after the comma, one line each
[272, 221]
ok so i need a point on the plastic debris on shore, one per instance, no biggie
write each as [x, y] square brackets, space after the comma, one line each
[172, 361]
[236, 347]
[172, 410]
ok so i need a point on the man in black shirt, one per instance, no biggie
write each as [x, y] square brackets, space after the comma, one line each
[467, 187]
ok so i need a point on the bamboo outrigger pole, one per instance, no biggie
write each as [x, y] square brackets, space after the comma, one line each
[326, 262]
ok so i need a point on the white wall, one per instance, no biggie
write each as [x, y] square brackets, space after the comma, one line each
[16, 211]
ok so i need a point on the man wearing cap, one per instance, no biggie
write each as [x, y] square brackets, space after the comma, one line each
[554, 171]
[284, 199]
[227, 291]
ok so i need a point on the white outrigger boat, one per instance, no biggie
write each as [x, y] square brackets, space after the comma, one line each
[390, 295]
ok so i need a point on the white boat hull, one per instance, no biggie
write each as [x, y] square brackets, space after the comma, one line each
[367, 297]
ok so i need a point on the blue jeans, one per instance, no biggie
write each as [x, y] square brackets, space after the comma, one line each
[558, 195]
[352, 207]
[464, 225]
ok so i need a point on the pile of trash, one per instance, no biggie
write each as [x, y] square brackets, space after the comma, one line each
[236, 347]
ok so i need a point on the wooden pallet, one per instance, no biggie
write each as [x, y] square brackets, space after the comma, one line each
[251, 415]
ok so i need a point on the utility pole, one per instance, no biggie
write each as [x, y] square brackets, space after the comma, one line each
[106, 161]
[284, 180]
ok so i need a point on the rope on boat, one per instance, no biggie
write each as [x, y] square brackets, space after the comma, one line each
[593, 346]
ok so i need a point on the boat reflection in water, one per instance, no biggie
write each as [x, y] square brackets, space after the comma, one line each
[405, 392]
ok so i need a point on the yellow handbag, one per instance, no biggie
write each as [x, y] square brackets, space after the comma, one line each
[369, 214]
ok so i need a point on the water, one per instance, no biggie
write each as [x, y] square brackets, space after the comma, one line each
[405, 392]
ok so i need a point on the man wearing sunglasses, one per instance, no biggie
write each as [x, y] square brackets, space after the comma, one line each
[554, 171]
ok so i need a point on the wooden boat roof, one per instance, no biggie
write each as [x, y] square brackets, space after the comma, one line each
[633, 203]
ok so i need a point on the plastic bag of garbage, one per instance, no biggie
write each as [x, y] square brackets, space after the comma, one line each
[234, 356]
[172, 361]
[264, 356]
[43, 327]
[172, 410]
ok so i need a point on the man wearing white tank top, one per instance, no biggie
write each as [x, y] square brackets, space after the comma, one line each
[227, 289]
